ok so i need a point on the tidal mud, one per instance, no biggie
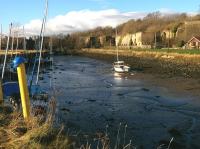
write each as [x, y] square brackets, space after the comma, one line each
[92, 98]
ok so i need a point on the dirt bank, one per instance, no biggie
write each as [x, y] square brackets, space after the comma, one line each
[165, 64]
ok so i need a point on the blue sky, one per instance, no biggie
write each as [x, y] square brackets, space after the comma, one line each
[24, 11]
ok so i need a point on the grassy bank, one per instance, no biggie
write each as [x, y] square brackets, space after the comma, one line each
[163, 50]
[20, 52]
[152, 61]
[37, 132]
[40, 132]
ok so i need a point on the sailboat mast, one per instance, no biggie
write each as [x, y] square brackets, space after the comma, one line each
[6, 53]
[51, 61]
[41, 43]
[17, 36]
[24, 44]
[116, 44]
[12, 43]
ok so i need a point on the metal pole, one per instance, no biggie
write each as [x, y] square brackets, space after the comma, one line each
[12, 44]
[116, 44]
[41, 44]
[5, 58]
[51, 61]
[24, 93]
[23, 90]
[24, 45]
[17, 36]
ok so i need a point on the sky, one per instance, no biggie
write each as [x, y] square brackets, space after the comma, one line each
[66, 16]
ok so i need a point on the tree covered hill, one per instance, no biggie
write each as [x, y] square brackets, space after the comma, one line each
[178, 29]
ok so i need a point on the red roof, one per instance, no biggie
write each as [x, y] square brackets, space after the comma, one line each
[196, 37]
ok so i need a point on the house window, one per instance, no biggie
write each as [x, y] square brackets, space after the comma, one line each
[193, 44]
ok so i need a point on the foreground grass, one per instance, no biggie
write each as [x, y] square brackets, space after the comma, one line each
[37, 132]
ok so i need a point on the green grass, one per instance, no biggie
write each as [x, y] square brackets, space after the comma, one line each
[179, 51]
[166, 50]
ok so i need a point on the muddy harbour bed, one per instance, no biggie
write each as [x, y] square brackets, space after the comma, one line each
[91, 98]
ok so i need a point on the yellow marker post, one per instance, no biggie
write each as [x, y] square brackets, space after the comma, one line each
[21, 72]
[1, 92]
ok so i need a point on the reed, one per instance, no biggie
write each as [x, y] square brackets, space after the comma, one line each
[17, 133]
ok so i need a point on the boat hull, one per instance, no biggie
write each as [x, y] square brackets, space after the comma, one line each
[121, 69]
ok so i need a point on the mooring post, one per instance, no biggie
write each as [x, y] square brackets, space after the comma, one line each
[1, 92]
[24, 93]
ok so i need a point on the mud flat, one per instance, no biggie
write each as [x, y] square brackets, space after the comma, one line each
[159, 63]
[92, 99]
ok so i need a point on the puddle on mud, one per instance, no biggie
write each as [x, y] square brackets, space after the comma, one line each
[93, 99]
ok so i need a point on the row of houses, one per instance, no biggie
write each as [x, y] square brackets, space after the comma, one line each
[141, 40]
[136, 40]
[185, 35]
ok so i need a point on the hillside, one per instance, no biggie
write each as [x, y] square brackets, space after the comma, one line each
[154, 30]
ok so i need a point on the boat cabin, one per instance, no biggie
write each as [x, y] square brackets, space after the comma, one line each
[119, 63]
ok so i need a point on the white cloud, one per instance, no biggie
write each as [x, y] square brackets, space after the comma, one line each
[82, 20]
[166, 11]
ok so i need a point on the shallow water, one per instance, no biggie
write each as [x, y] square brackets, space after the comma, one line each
[90, 96]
